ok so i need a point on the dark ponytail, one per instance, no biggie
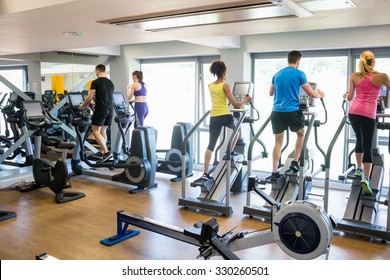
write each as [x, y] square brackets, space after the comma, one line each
[139, 76]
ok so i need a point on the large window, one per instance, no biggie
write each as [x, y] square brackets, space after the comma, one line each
[73, 75]
[329, 71]
[177, 92]
[16, 76]
[171, 96]
[205, 100]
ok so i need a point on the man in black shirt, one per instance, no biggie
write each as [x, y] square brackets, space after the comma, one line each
[102, 90]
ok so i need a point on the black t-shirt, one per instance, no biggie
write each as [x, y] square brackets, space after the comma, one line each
[104, 91]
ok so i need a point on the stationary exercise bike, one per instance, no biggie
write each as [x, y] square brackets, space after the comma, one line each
[47, 173]
[171, 163]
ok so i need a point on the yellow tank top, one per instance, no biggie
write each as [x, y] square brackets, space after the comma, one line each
[219, 100]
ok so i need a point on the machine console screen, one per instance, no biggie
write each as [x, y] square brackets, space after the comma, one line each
[118, 99]
[33, 109]
[312, 85]
[242, 89]
[75, 99]
[384, 94]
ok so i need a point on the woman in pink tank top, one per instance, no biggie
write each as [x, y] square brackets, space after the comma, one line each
[362, 113]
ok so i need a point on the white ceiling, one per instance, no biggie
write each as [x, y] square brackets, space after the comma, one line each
[37, 26]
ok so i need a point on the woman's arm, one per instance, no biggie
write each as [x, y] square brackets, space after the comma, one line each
[386, 81]
[130, 92]
[349, 94]
[131, 89]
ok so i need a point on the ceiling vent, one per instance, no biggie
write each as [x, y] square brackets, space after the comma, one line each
[211, 15]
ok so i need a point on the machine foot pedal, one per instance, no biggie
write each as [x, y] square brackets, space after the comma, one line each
[204, 184]
[119, 238]
[370, 197]
[268, 180]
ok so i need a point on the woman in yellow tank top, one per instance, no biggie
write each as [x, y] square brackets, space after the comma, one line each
[221, 94]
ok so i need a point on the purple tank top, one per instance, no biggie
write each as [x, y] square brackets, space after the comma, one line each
[141, 92]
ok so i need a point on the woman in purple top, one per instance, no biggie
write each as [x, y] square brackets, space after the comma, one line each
[362, 113]
[137, 93]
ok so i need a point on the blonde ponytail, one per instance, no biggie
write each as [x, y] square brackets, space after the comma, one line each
[366, 63]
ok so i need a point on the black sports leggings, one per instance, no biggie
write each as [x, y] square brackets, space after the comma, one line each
[364, 129]
[216, 124]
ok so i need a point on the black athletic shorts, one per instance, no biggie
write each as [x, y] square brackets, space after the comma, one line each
[102, 117]
[281, 121]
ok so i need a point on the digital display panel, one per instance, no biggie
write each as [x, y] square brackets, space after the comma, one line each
[33, 109]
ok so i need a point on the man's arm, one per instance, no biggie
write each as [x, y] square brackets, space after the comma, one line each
[88, 100]
[271, 90]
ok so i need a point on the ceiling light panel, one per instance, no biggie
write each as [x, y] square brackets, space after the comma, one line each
[204, 17]
[325, 5]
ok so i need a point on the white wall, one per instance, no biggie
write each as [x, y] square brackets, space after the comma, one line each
[363, 37]
[237, 59]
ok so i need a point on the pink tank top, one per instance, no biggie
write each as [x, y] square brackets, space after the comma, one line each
[365, 101]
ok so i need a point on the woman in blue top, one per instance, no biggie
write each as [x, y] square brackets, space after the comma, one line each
[137, 93]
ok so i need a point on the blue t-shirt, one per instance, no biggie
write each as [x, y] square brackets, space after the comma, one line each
[286, 89]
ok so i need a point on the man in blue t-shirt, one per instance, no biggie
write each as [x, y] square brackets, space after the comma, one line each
[285, 113]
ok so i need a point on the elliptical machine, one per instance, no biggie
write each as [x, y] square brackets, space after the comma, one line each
[20, 143]
[139, 167]
[228, 174]
[123, 118]
[291, 186]
[47, 173]
[361, 210]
